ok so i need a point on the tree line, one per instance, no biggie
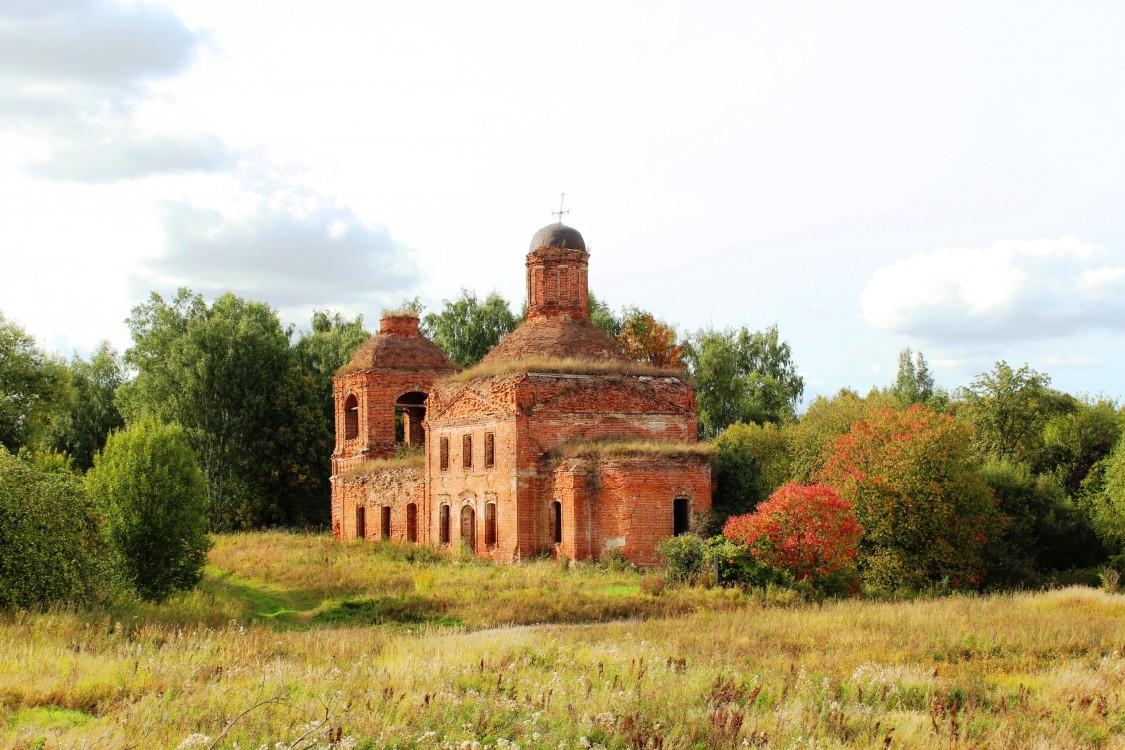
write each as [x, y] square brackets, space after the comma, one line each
[1037, 473]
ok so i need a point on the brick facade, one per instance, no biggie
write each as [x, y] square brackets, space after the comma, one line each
[493, 476]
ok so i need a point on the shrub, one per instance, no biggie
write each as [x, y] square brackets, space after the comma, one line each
[50, 550]
[807, 531]
[152, 494]
[735, 564]
[686, 557]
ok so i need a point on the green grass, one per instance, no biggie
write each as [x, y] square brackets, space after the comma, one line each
[368, 646]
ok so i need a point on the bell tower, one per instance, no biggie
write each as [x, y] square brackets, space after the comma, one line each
[557, 268]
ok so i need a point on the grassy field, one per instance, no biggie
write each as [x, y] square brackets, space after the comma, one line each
[296, 642]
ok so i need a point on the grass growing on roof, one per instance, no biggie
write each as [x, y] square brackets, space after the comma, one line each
[405, 461]
[566, 366]
[658, 448]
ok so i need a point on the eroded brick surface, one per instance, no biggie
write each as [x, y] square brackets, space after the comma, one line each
[624, 502]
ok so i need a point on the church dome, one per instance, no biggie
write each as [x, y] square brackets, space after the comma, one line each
[557, 236]
[399, 345]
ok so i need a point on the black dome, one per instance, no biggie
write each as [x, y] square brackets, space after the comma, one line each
[558, 235]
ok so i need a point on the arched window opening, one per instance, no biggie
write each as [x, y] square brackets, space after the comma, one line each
[468, 527]
[489, 450]
[360, 522]
[467, 451]
[385, 525]
[681, 516]
[443, 524]
[411, 522]
[410, 411]
[490, 525]
[351, 417]
[557, 518]
[443, 459]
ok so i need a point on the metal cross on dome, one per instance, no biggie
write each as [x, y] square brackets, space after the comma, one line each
[560, 213]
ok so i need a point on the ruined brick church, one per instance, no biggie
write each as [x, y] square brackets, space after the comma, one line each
[554, 444]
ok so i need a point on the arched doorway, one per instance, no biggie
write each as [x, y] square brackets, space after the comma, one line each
[469, 527]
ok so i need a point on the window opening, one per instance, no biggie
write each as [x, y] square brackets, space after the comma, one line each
[490, 524]
[489, 450]
[360, 522]
[386, 522]
[351, 417]
[443, 524]
[410, 412]
[468, 527]
[444, 458]
[558, 522]
[467, 451]
[681, 516]
[411, 522]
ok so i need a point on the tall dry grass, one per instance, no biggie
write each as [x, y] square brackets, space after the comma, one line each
[1017, 671]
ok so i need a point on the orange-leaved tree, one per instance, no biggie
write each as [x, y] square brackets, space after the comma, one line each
[808, 531]
[914, 487]
[643, 338]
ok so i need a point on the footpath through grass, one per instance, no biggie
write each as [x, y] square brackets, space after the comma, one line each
[279, 640]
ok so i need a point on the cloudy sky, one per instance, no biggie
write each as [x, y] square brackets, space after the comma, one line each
[946, 176]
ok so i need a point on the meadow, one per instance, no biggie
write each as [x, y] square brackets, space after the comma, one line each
[294, 641]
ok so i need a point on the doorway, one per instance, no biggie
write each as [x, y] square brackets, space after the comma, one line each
[469, 527]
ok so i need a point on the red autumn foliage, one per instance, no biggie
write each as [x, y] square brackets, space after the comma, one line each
[807, 530]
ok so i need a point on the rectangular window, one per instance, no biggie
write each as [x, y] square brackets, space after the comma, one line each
[443, 524]
[489, 450]
[444, 451]
[360, 523]
[558, 522]
[467, 451]
[411, 522]
[490, 524]
[386, 525]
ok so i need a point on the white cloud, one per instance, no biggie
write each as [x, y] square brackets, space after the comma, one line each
[291, 248]
[1010, 290]
[132, 158]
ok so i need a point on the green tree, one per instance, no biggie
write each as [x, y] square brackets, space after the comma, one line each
[914, 383]
[752, 461]
[603, 317]
[153, 498]
[742, 376]
[217, 371]
[1045, 530]
[90, 413]
[913, 484]
[1075, 441]
[1008, 409]
[50, 549]
[32, 386]
[1105, 497]
[467, 328]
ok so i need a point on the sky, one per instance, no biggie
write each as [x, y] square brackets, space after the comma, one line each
[868, 176]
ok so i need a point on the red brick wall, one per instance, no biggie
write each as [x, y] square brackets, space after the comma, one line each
[624, 502]
[395, 488]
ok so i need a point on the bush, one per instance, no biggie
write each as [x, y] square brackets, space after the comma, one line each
[50, 550]
[151, 492]
[735, 564]
[809, 532]
[686, 556]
